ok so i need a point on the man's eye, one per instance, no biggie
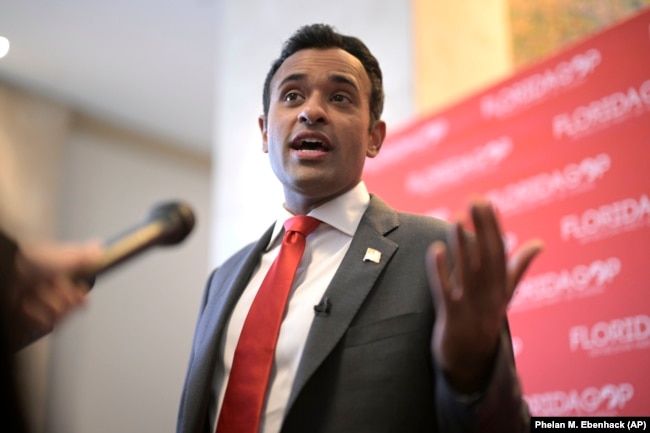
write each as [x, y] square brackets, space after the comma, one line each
[340, 98]
[291, 96]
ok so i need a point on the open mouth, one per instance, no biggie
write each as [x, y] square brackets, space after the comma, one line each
[311, 145]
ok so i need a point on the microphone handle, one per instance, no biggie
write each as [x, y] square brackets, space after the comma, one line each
[167, 224]
[124, 246]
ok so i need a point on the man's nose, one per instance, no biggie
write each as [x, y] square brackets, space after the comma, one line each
[313, 112]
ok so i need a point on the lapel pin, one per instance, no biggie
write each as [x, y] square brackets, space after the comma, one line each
[372, 255]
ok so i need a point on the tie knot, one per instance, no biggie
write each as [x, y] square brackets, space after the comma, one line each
[302, 224]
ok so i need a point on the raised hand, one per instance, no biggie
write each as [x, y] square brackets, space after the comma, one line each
[471, 299]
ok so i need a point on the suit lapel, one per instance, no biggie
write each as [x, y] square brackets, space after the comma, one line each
[349, 288]
[225, 289]
[229, 288]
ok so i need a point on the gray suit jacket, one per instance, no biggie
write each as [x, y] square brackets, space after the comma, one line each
[367, 365]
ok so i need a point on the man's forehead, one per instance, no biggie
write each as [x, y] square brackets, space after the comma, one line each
[334, 63]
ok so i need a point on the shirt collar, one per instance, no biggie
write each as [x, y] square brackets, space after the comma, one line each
[342, 213]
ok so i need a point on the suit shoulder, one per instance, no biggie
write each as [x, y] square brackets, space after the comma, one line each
[387, 219]
[413, 218]
[418, 231]
[415, 222]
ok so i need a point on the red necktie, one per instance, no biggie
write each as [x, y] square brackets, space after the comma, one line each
[243, 401]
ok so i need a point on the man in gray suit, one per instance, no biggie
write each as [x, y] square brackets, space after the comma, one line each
[380, 333]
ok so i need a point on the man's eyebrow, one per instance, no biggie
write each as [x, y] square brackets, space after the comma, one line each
[335, 78]
[344, 79]
[292, 77]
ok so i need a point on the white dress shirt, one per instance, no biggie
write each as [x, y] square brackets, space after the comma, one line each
[324, 251]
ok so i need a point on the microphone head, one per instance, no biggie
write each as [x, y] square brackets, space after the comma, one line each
[178, 221]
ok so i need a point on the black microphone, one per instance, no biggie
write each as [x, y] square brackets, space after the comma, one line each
[167, 224]
[323, 307]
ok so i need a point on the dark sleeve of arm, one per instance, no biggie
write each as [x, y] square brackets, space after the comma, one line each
[500, 407]
[8, 250]
[12, 411]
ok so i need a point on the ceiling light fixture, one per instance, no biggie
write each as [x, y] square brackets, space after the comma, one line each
[4, 46]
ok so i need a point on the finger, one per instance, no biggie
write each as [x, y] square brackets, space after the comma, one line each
[70, 291]
[80, 285]
[437, 268]
[489, 240]
[36, 313]
[464, 256]
[521, 260]
[63, 257]
[78, 257]
[88, 257]
[56, 299]
[53, 301]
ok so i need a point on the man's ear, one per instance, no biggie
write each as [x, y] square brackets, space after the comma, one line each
[377, 135]
[262, 124]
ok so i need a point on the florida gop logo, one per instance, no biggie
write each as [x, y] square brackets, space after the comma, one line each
[606, 220]
[537, 87]
[582, 280]
[608, 110]
[458, 168]
[553, 185]
[605, 400]
[422, 139]
[611, 336]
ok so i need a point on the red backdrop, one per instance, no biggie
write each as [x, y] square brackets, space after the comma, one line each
[563, 150]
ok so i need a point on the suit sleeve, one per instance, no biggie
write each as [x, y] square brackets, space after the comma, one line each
[500, 408]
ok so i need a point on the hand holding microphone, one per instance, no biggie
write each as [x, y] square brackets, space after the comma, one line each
[51, 280]
[167, 224]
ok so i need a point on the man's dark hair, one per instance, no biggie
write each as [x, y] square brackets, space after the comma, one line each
[323, 36]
